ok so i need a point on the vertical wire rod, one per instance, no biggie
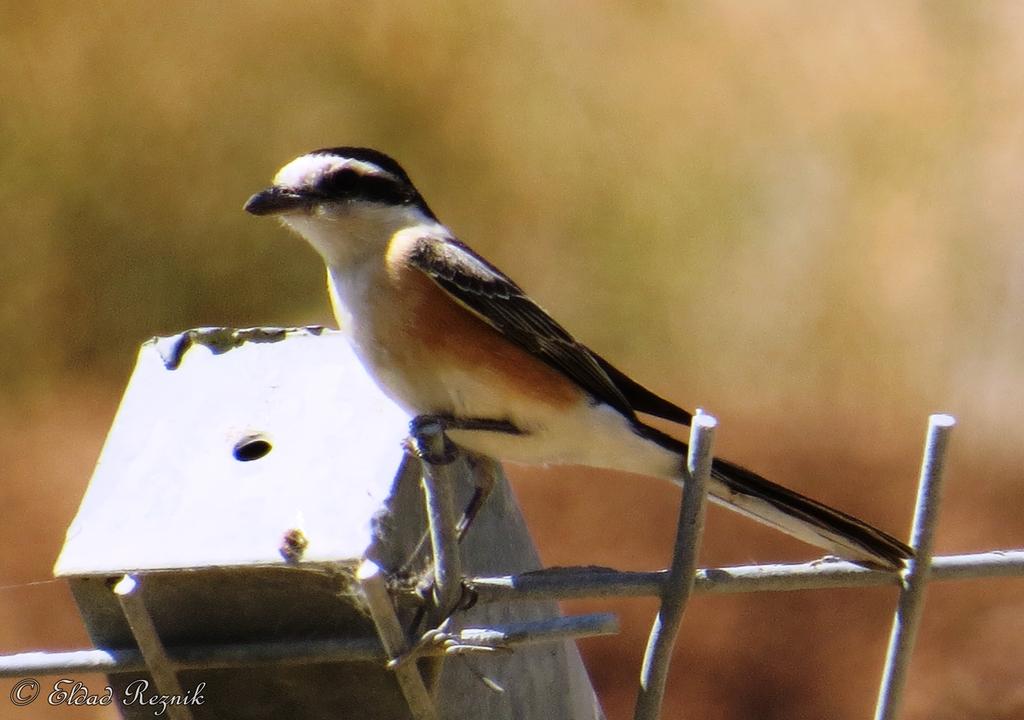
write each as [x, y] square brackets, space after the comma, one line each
[160, 666]
[679, 583]
[375, 592]
[915, 577]
[436, 457]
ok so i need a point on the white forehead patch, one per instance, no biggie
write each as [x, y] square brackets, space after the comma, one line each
[306, 171]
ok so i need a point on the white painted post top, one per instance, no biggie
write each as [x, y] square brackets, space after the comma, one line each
[168, 490]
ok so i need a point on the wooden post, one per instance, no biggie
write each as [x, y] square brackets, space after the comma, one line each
[247, 476]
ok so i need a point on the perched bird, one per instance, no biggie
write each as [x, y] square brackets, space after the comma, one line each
[445, 333]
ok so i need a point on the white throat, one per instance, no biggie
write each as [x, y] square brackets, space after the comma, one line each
[353, 240]
[352, 234]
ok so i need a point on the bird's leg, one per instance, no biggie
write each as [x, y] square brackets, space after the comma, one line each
[422, 424]
[482, 487]
[429, 442]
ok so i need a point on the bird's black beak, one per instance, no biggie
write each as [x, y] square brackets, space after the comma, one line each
[274, 201]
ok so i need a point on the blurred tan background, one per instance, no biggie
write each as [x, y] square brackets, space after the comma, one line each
[804, 217]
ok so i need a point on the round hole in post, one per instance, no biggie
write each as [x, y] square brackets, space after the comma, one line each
[251, 447]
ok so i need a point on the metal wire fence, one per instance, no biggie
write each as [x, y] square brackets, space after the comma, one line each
[673, 586]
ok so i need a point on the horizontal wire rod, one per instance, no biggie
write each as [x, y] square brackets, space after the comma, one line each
[595, 582]
[205, 657]
[554, 583]
[194, 658]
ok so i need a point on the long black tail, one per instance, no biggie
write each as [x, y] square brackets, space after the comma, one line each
[804, 518]
[794, 514]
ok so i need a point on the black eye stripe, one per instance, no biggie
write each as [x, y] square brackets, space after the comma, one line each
[389, 186]
[346, 183]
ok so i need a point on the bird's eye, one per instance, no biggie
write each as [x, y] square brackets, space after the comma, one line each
[349, 184]
[339, 183]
